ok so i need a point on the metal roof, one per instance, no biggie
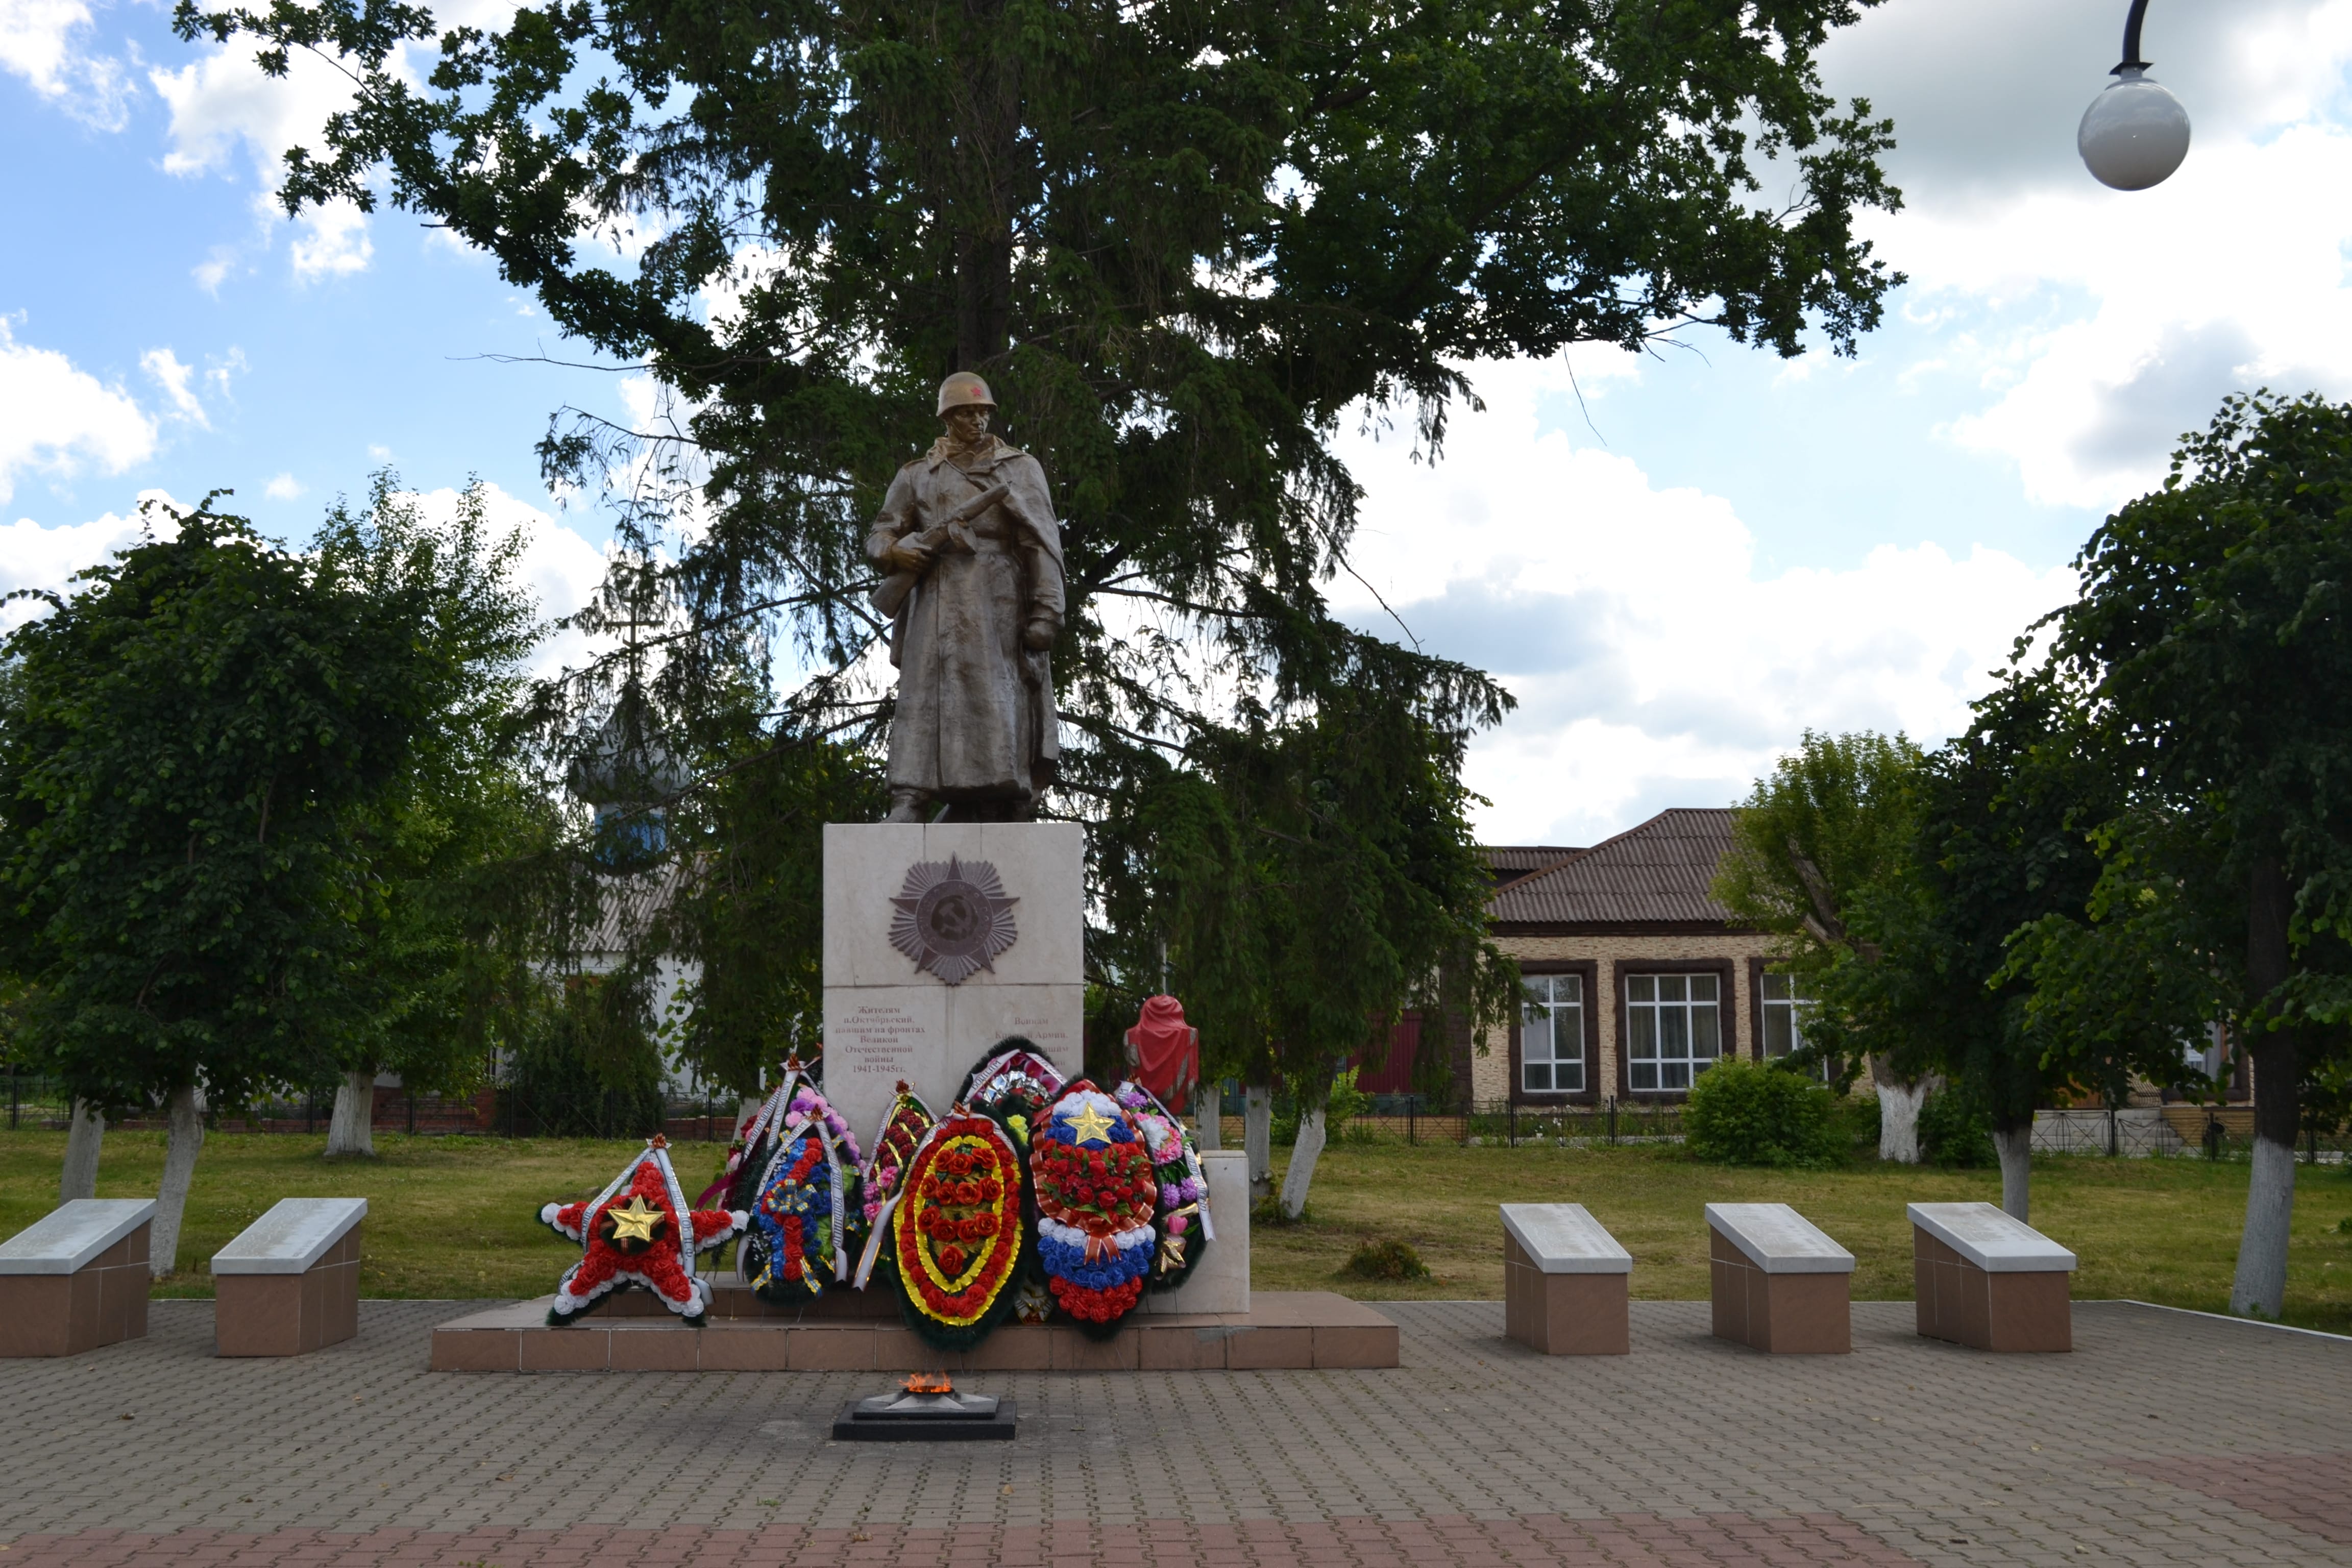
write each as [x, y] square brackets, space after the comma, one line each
[1508, 862]
[1656, 874]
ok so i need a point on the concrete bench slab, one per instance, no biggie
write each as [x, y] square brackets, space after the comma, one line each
[1988, 1281]
[289, 1282]
[1565, 1281]
[1780, 1284]
[75, 1278]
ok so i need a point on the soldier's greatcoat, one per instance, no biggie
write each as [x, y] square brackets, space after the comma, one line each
[975, 718]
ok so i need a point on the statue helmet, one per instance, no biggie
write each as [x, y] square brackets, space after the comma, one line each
[964, 390]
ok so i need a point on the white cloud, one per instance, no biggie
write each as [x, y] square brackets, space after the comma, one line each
[32, 556]
[176, 380]
[45, 42]
[334, 242]
[2097, 326]
[54, 417]
[284, 486]
[1651, 665]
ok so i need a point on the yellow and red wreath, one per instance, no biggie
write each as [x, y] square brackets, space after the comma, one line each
[956, 1232]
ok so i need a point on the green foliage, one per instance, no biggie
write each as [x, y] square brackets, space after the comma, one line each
[209, 757]
[1392, 1261]
[1816, 849]
[1956, 1129]
[588, 1066]
[1750, 1113]
[2213, 637]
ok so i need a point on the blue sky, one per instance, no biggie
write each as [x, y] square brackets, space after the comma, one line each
[1716, 550]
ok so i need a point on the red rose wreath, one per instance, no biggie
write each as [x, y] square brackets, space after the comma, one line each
[638, 1231]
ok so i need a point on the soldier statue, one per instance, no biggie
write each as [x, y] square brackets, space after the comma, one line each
[971, 564]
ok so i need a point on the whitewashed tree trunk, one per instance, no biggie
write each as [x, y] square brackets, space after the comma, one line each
[1898, 1114]
[1303, 1156]
[1258, 1138]
[83, 1135]
[2259, 1289]
[188, 1139]
[2015, 1147]
[1211, 1132]
[351, 1129]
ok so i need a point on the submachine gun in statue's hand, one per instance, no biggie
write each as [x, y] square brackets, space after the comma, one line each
[949, 533]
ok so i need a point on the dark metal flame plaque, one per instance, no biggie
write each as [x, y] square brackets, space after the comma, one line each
[953, 918]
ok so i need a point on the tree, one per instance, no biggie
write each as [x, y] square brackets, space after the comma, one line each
[433, 966]
[1824, 834]
[188, 747]
[2212, 633]
[1183, 243]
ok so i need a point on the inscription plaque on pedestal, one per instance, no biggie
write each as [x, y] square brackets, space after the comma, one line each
[940, 941]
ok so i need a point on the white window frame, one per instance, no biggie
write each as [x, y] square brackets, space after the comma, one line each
[1788, 1007]
[1672, 1033]
[1559, 1013]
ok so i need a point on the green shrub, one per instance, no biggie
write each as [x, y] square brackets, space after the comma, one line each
[1956, 1129]
[1393, 1261]
[1858, 1117]
[1741, 1113]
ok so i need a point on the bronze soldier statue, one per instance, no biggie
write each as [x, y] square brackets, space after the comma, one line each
[971, 559]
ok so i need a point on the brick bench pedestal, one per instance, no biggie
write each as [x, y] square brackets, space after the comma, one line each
[291, 1282]
[1564, 1282]
[1990, 1281]
[1781, 1285]
[75, 1278]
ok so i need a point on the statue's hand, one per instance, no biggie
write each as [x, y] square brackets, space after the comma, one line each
[907, 556]
[1038, 635]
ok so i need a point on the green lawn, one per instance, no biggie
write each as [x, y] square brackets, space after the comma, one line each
[457, 1217]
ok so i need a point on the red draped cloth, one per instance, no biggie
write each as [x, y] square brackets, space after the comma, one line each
[1165, 1052]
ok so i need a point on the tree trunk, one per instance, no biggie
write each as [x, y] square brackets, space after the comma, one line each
[187, 1116]
[1303, 1156]
[1898, 1113]
[2015, 1147]
[2259, 1289]
[1258, 1138]
[83, 1135]
[351, 1129]
[1211, 1115]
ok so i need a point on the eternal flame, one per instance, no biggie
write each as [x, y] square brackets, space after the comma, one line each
[971, 559]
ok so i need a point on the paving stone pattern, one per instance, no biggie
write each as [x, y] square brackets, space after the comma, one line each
[2164, 1438]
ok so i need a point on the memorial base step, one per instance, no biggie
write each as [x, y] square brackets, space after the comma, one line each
[851, 1332]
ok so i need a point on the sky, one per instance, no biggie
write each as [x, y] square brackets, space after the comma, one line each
[1677, 562]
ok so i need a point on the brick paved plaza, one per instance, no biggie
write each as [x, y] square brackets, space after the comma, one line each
[2166, 1438]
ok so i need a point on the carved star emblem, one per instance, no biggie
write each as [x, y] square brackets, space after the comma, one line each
[1089, 1125]
[952, 918]
[636, 1223]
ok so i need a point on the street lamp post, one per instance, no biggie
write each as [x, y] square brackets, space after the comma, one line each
[2136, 132]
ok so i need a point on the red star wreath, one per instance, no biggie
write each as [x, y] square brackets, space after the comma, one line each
[639, 1231]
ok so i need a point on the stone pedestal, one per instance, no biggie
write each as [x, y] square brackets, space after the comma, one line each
[890, 1014]
[75, 1278]
[1780, 1283]
[1990, 1281]
[291, 1282]
[1222, 1282]
[1565, 1281]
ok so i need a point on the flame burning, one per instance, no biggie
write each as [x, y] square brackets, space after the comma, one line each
[929, 1382]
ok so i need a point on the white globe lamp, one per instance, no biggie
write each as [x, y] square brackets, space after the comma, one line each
[2136, 132]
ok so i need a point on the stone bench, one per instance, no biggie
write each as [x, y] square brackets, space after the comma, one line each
[1780, 1284]
[1990, 1281]
[291, 1282]
[75, 1278]
[1564, 1282]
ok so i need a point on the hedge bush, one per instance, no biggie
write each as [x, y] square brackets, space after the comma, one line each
[1954, 1128]
[1744, 1113]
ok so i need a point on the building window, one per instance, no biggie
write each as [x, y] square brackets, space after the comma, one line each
[1784, 1015]
[1674, 1029]
[1551, 1034]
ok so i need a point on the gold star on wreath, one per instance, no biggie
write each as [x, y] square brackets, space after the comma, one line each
[1091, 1126]
[634, 1223]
